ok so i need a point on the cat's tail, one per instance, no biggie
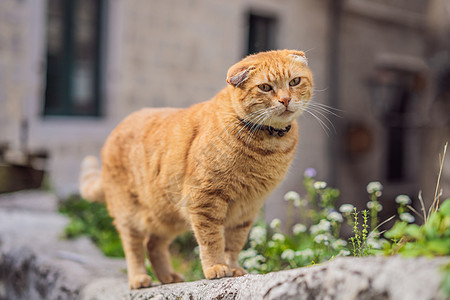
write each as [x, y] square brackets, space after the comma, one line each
[91, 187]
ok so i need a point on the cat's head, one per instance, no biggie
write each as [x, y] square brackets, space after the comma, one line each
[271, 88]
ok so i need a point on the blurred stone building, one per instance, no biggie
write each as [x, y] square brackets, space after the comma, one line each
[70, 70]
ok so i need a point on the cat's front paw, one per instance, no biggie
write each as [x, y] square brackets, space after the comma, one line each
[238, 271]
[140, 281]
[218, 271]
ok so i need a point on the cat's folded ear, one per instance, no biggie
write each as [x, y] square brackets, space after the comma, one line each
[238, 74]
[299, 56]
[298, 53]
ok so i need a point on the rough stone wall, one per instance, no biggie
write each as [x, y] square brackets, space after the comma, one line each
[35, 263]
[157, 53]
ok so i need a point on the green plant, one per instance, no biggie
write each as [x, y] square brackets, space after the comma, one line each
[270, 248]
[430, 239]
[92, 220]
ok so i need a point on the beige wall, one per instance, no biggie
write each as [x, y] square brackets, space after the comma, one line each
[159, 53]
[176, 53]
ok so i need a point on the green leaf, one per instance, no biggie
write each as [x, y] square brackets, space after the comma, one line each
[414, 231]
[444, 209]
[439, 246]
[397, 231]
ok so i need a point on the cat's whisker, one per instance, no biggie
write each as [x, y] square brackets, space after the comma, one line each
[250, 120]
[237, 123]
[256, 125]
[327, 108]
[323, 115]
[320, 90]
[322, 124]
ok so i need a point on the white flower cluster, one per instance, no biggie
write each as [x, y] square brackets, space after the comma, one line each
[346, 208]
[403, 199]
[278, 237]
[344, 252]
[334, 216]
[298, 228]
[407, 217]
[275, 223]
[319, 185]
[337, 244]
[288, 254]
[323, 226]
[253, 262]
[291, 196]
[295, 198]
[374, 205]
[258, 235]
[376, 243]
[321, 239]
[307, 253]
[375, 187]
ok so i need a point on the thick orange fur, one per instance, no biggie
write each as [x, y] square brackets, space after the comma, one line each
[166, 171]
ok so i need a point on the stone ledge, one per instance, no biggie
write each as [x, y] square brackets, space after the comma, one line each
[344, 278]
[36, 264]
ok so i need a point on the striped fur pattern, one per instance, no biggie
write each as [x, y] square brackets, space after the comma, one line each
[166, 170]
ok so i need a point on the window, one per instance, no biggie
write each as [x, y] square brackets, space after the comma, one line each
[73, 57]
[261, 35]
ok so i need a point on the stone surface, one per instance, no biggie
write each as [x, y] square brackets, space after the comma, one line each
[36, 264]
[344, 278]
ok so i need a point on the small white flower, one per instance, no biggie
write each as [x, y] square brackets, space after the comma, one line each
[338, 244]
[276, 223]
[320, 238]
[258, 234]
[371, 205]
[298, 228]
[253, 262]
[318, 185]
[291, 196]
[403, 199]
[374, 243]
[323, 226]
[250, 252]
[288, 254]
[335, 216]
[374, 186]
[346, 208]
[314, 229]
[299, 202]
[278, 237]
[307, 253]
[271, 244]
[344, 252]
[407, 217]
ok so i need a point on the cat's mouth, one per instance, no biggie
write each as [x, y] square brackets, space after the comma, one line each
[286, 113]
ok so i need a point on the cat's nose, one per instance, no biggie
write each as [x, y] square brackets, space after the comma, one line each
[285, 101]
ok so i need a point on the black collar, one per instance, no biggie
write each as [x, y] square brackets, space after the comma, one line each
[272, 131]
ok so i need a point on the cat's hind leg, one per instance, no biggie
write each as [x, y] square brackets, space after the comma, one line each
[158, 252]
[133, 247]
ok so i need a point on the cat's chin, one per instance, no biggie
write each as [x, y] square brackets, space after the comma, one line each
[285, 118]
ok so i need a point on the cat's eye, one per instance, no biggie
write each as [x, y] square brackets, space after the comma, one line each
[265, 87]
[295, 81]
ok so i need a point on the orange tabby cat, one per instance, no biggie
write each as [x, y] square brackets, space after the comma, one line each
[207, 168]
